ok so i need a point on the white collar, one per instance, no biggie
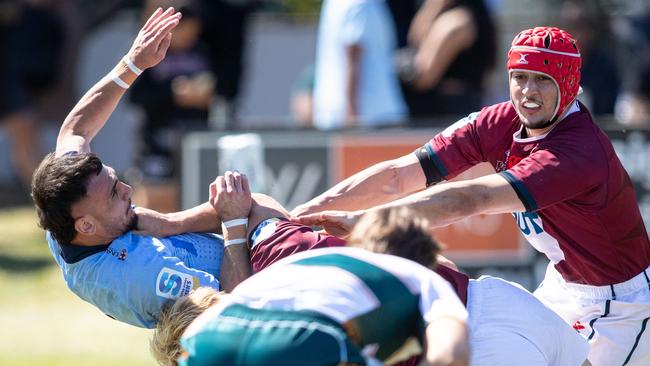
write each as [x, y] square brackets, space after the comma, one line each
[575, 107]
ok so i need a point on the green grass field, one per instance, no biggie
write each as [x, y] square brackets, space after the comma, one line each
[41, 321]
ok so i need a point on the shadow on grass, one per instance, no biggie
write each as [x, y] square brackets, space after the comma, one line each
[23, 264]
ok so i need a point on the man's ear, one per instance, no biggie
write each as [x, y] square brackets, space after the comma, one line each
[85, 226]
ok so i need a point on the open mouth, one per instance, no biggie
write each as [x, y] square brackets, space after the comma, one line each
[531, 105]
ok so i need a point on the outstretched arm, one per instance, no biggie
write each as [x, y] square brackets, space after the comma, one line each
[373, 186]
[93, 110]
[201, 218]
[441, 205]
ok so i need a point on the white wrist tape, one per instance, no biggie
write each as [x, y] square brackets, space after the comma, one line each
[116, 79]
[136, 70]
[235, 222]
[228, 243]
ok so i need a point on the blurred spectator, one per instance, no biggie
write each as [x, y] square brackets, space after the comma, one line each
[633, 31]
[600, 77]
[225, 26]
[453, 49]
[175, 97]
[355, 82]
[31, 38]
[302, 101]
[403, 12]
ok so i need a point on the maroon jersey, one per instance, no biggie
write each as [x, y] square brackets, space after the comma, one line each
[581, 209]
[283, 238]
[458, 281]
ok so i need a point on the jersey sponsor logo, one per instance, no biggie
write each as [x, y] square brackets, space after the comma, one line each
[120, 255]
[578, 326]
[522, 58]
[502, 165]
[531, 225]
[528, 222]
[513, 160]
[172, 284]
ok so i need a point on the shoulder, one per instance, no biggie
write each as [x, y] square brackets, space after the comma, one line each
[577, 132]
[495, 119]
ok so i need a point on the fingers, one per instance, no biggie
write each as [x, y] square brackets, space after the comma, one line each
[160, 30]
[221, 184]
[156, 14]
[310, 220]
[237, 180]
[213, 190]
[246, 188]
[154, 22]
[230, 184]
[164, 45]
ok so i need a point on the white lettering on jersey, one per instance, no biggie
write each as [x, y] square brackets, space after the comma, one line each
[532, 227]
[172, 284]
[460, 123]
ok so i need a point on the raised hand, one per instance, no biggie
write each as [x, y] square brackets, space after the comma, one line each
[337, 223]
[152, 42]
[230, 195]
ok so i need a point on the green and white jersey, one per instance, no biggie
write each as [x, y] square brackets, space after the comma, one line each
[378, 302]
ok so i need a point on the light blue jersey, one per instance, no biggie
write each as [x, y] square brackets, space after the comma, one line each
[132, 277]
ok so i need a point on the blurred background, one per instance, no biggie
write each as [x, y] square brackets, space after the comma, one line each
[261, 86]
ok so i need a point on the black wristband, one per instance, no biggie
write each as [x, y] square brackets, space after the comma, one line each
[428, 167]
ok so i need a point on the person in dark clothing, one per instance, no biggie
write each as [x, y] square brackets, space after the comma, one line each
[225, 24]
[31, 35]
[175, 97]
[454, 43]
[600, 75]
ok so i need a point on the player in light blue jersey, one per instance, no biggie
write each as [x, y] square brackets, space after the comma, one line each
[90, 221]
[132, 277]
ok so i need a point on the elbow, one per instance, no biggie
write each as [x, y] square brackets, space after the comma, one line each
[395, 185]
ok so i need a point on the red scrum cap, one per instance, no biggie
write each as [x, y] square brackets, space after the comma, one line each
[552, 52]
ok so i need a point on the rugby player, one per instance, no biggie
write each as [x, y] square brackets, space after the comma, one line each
[125, 260]
[507, 325]
[559, 176]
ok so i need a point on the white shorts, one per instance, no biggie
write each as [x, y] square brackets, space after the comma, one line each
[612, 318]
[509, 326]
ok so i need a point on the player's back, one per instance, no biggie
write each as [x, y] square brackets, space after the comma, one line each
[381, 301]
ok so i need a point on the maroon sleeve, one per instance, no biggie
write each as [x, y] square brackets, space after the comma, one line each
[474, 139]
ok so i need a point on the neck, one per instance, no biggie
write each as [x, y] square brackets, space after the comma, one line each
[90, 240]
[533, 132]
[545, 128]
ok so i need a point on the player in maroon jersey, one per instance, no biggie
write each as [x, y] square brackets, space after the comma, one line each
[559, 175]
[508, 325]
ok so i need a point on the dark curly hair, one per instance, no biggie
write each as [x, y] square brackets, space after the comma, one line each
[59, 182]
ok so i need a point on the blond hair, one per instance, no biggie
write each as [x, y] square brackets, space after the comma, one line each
[398, 231]
[174, 318]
